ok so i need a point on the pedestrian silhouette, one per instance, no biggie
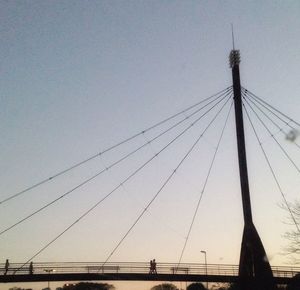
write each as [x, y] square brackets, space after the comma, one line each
[30, 268]
[154, 267]
[6, 266]
[151, 267]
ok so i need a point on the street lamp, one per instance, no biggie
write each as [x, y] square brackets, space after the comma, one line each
[49, 271]
[204, 252]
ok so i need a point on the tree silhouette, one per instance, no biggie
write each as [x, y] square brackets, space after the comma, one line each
[233, 286]
[18, 288]
[88, 286]
[293, 235]
[295, 283]
[164, 286]
[196, 286]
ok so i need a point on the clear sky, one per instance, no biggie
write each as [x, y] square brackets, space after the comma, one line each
[79, 76]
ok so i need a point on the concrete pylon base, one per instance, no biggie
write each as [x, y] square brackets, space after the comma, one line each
[255, 272]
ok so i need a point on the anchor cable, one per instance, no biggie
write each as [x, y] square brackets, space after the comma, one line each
[282, 149]
[280, 129]
[270, 106]
[272, 170]
[269, 110]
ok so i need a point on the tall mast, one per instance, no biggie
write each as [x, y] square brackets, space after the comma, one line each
[254, 270]
[234, 63]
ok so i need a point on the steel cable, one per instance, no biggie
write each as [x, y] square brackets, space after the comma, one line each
[204, 187]
[164, 184]
[110, 148]
[104, 170]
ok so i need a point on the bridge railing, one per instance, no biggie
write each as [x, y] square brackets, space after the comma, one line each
[136, 267]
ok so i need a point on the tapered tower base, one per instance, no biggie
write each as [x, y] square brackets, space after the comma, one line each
[254, 271]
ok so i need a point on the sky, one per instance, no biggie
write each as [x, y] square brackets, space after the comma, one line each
[78, 77]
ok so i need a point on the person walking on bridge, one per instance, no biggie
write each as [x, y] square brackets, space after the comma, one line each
[151, 267]
[154, 267]
[6, 267]
[31, 268]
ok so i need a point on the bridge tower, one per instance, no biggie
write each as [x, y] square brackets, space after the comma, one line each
[254, 269]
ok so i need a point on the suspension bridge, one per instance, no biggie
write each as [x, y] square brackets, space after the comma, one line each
[254, 270]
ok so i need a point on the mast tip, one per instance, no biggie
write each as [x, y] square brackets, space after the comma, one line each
[232, 35]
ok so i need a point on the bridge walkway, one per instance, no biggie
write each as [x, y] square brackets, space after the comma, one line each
[132, 271]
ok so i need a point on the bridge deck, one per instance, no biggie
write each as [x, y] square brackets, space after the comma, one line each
[74, 271]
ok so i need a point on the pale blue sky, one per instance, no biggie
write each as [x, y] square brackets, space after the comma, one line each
[79, 76]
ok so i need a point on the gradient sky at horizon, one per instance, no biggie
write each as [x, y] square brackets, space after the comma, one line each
[80, 76]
